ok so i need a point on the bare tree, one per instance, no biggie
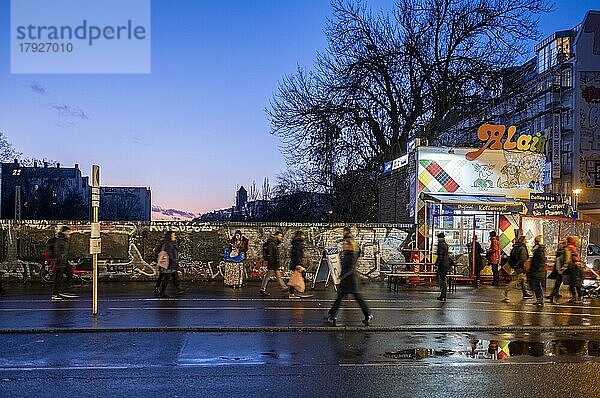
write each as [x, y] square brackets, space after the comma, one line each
[266, 189]
[253, 192]
[389, 77]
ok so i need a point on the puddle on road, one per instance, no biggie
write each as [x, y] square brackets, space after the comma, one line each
[479, 349]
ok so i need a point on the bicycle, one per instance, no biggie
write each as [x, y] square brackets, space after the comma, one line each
[81, 270]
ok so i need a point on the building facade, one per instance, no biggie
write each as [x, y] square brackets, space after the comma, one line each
[43, 192]
[125, 204]
[554, 98]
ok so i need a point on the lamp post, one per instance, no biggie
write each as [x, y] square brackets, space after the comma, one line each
[576, 192]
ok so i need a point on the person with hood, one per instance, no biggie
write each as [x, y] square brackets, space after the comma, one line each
[442, 263]
[348, 283]
[62, 267]
[169, 245]
[493, 257]
[272, 259]
[476, 252]
[537, 270]
[518, 256]
[572, 261]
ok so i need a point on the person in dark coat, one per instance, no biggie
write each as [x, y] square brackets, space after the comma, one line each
[297, 258]
[169, 245]
[442, 263]
[538, 269]
[556, 273]
[518, 256]
[476, 252]
[348, 283]
[273, 263]
[62, 267]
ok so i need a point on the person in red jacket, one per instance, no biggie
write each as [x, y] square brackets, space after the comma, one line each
[493, 256]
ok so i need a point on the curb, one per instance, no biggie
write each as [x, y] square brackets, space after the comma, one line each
[326, 329]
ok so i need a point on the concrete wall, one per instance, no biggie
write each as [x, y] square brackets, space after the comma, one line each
[127, 247]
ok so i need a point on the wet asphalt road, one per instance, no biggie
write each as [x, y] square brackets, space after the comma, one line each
[141, 346]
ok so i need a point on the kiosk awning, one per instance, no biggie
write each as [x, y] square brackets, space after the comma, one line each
[477, 203]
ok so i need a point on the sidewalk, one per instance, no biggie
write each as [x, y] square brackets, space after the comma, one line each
[131, 306]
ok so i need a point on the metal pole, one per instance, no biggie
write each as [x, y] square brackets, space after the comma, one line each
[95, 241]
[95, 271]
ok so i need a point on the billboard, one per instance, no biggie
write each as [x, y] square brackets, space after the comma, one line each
[512, 173]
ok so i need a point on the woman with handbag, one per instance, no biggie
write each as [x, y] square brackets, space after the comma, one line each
[168, 264]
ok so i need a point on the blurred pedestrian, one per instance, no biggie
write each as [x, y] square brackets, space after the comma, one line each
[557, 272]
[348, 283]
[62, 267]
[297, 262]
[2, 290]
[273, 264]
[493, 257]
[476, 252]
[537, 270]
[169, 246]
[517, 258]
[442, 263]
[234, 257]
[572, 261]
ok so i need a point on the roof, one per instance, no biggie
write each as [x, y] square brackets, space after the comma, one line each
[477, 202]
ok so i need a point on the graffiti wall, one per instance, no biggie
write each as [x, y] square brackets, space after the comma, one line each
[128, 248]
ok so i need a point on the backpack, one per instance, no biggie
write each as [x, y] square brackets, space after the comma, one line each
[50, 251]
[512, 260]
[265, 251]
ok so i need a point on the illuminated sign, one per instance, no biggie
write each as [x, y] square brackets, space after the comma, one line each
[496, 137]
[548, 209]
[395, 164]
[544, 197]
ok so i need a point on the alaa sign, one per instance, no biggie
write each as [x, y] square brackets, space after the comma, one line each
[504, 165]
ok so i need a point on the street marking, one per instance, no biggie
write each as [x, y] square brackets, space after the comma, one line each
[66, 368]
[448, 364]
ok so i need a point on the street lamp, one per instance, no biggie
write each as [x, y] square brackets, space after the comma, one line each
[576, 192]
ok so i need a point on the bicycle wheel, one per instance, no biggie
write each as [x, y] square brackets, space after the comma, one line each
[85, 277]
[46, 274]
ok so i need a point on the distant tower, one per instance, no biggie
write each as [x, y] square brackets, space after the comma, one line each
[241, 197]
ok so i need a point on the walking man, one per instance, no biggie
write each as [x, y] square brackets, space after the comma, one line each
[537, 270]
[493, 257]
[272, 258]
[62, 267]
[518, 256]
[442, 264]
[348, 283]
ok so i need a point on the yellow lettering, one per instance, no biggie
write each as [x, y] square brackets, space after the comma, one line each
[523, 142]
[509, 144]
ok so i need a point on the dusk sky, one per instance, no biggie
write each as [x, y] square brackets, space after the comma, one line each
[194, 129]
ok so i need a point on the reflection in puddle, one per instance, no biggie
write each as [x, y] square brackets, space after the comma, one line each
[502, 349]
[418, 353]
